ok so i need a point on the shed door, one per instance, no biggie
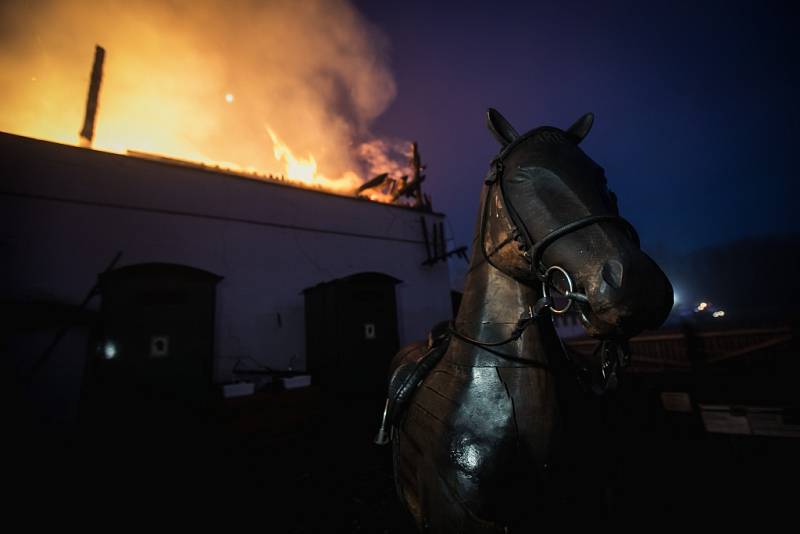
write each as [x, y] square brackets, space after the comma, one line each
[351, 331]
[153, 354]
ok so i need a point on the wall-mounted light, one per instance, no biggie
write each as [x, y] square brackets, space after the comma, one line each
[109, 350]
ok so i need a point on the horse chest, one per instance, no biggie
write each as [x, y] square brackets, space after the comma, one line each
[482, 426]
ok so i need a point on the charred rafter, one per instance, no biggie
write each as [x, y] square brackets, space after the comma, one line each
[436, 245]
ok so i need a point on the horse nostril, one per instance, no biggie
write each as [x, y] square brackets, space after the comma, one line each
[612, 273]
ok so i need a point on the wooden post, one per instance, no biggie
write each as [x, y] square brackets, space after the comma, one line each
[425, 237]
[87, 132]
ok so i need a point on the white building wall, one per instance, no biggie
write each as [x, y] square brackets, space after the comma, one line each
[66, 211]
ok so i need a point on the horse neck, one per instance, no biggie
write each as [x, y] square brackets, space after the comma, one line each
[490, 308]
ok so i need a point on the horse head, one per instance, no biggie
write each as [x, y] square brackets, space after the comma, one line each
[549, 218]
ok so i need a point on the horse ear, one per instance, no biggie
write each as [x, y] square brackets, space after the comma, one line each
[581, 128]
[500, 127]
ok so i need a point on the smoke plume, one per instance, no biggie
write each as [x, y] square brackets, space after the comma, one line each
[204, 80]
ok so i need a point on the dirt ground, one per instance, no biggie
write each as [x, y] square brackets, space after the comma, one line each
[304, 461]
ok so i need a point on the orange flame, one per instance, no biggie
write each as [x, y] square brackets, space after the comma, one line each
[304, 170]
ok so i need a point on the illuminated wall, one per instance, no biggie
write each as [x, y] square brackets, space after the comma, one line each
[66, 211]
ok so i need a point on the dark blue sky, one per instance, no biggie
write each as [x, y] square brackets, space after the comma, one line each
[696, 104]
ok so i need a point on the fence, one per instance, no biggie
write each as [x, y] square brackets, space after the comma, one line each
[677, 351]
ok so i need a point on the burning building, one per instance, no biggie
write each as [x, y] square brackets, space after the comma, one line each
[202, 273]
[224, 209]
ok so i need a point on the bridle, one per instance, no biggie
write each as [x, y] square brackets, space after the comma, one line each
[613, 352]
[533, 250]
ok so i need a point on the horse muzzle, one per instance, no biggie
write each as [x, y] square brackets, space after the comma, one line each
[625, 297]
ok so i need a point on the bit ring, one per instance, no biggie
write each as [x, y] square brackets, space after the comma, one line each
[546, 288]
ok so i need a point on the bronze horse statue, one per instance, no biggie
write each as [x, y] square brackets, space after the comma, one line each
[474, 412]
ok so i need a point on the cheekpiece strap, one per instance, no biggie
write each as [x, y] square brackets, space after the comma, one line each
[495, 172]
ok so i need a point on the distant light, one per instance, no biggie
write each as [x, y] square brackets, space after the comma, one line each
[719, 313]
[109, 350]
[702, 306]
[229, 98]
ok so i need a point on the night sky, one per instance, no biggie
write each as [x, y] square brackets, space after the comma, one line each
[696, 110]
